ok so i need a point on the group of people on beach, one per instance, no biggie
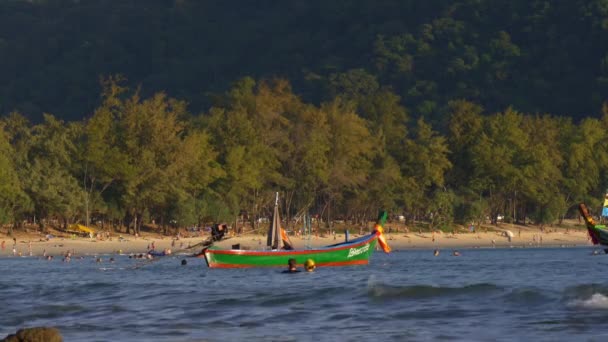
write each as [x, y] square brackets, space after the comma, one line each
[67, 256]
[15, 252]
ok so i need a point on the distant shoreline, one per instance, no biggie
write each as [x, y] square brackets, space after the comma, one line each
[398, 242]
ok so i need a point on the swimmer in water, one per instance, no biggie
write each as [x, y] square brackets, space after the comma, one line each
[309, 265]
[291, 266]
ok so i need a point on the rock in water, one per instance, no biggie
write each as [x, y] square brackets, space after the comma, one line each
[41, 334]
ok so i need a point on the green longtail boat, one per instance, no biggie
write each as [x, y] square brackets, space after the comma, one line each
[597, 232]
[353, 252]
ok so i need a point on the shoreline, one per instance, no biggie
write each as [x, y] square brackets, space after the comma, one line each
[398, 241]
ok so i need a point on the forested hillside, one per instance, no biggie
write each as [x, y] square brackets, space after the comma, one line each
[181, 111]
[537, 56]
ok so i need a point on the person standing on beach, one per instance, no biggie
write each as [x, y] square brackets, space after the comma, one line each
[3, 244]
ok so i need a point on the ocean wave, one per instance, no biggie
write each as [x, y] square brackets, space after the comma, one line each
[527, 296]
[510, 297]
[584, 291]
[52, 312]
[379, 290]
[597, 301]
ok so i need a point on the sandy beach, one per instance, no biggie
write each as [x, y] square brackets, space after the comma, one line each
[127, 244]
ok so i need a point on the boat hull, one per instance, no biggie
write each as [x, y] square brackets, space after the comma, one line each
[356, 252]
[599, 235]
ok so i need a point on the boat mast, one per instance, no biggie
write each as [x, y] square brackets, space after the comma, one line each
[306, 230]
[274, 234]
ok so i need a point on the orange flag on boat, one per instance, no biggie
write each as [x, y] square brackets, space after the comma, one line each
[286, 240]
[381, 240]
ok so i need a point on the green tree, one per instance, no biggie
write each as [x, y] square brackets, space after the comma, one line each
[423, 167]
[308, 165]
[12, 197]
[14, 149]
[387, 120]
[50, 183]
[498, 159]
[101, 161]
[465, 127]
[164, 160]
[350, 154]
[249, 129]
[540, 183]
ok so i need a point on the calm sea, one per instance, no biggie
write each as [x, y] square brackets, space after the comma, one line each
[484, 295]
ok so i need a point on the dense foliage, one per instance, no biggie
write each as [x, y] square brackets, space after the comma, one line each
[429, 109]
[140, 159]
[538, 56]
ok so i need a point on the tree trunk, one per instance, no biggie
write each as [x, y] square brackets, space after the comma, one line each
[140, 223]
[135, 224]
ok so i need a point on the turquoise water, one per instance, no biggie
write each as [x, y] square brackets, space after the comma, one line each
[483, 295]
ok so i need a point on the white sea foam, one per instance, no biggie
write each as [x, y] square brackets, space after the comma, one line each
[597, 302]
[374, 286]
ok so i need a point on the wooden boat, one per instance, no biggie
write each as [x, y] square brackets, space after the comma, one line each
[597, 232]
[353, 252]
